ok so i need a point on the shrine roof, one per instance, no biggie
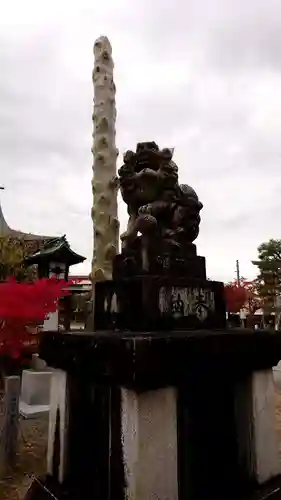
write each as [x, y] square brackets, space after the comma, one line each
[58, 250]
[5, 230]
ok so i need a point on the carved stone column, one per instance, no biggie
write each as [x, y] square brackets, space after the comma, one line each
[105, 182]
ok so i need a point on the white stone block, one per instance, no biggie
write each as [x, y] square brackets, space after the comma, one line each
[51, 323]
[58, 403]
[264, 420]
[256, 426]
[35, 387]
[149, 435]
[33, 411]
[38, 363]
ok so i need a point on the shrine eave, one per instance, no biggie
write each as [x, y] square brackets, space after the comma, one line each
[6, 231]
[57, 250]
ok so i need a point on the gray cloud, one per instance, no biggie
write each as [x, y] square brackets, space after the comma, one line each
[203, 77]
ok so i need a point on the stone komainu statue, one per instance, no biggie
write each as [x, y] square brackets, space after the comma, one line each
[164, 212]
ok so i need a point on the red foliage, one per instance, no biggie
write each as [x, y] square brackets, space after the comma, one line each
[241, 296]
[235, 297]
[23, 304]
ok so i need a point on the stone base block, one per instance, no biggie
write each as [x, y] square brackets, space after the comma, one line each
[33, 411]
[178, 415]
[152, 303]
[42, 490]
[192, 266]
[149, 444]
[35, 388]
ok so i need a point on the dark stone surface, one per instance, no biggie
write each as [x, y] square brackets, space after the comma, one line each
[145, 360]
[206, 366]
[94, 466]
[43, 489]
[94, 440]
[208, 455]
[57, 448]
[165, 213]
[159, 303]
[271, 490]
[177, 264]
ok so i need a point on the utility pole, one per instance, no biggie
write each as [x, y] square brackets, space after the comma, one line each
[242, 311]
[277, 311]
[238, 272]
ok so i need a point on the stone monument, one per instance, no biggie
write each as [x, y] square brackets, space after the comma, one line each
[161, 401]
[159, 281]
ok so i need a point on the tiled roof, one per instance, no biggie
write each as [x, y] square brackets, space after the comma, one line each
[58, 248]
[5, 230]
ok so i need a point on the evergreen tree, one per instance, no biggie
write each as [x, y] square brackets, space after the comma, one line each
[12, 254]
[269, 277]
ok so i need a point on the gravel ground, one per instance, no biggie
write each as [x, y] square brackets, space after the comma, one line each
[278, 418]
[31, 457]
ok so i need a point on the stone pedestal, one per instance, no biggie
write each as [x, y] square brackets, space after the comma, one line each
[149, 437]
[264, 444]
[146, 416]
[35, 393]
[159, 303]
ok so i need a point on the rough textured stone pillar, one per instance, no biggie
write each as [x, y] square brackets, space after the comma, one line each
[105, 182]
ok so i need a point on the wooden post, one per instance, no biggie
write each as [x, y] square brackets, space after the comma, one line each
[9, 431]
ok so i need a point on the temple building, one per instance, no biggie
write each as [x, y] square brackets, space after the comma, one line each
[42, 249]
[50, 255]
[33, 241]
[55, 258]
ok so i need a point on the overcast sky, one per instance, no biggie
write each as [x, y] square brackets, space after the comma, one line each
[202, 76]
